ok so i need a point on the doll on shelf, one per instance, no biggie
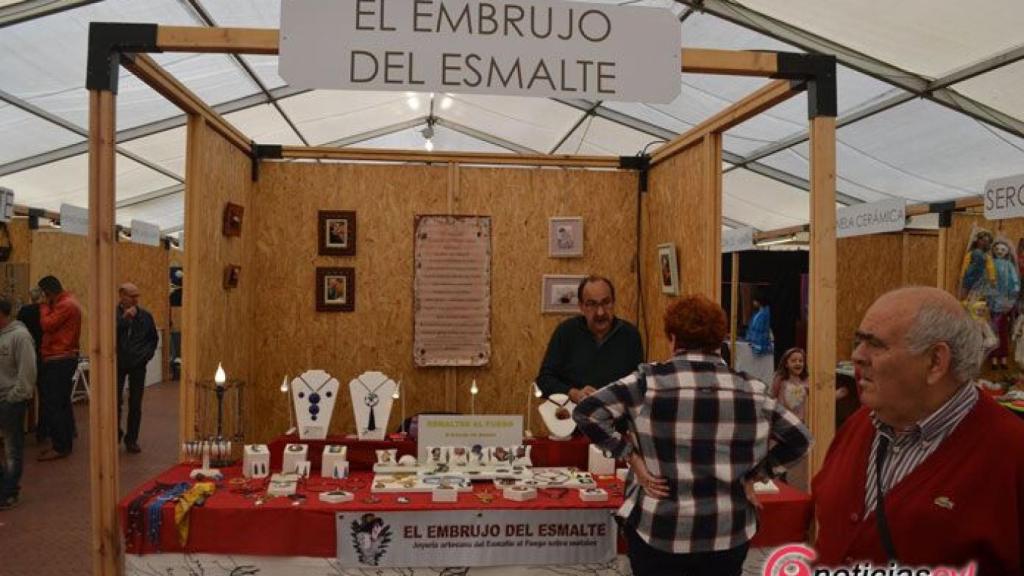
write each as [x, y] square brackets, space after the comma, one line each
[978, 271]
[1003, 299]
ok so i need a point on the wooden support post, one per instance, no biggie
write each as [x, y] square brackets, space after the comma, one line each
[103, 463]
[734, 308]
[940, 280]
[822, 330]
[191, 306]
[711, 241]
[729, 62]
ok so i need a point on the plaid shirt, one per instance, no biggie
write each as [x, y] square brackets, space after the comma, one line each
[705, 429]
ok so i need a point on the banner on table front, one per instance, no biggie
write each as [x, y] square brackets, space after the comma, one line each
[475, 537]
[541, 48]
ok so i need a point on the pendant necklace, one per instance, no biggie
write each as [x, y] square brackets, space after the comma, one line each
[371, 400]
[314, 396]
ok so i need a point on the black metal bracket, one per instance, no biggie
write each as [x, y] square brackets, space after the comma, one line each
[945, 211]
[641, 163]
[34, 214]
[261, 151]
[819, 72]
[107, 42]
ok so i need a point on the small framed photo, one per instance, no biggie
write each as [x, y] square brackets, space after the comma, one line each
[559, 294]
[335, 289]
[669, 269]
[565, 237]
[337, 233]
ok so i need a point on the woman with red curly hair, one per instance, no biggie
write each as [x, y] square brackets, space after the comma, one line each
[699, 439]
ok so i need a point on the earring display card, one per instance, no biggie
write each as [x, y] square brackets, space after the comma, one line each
[599, 462]
[293, 455]
[256, 461]
[593, 495]
[332, 457]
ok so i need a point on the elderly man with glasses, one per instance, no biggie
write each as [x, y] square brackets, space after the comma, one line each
[592, 349]
[929, 471]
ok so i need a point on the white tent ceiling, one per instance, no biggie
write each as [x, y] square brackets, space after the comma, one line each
[929, 104]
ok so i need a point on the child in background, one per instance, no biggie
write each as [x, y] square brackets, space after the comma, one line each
[790, 388]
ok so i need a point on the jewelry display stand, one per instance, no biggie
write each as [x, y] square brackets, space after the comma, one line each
[313, 394]
[372, 396]
[557, 429]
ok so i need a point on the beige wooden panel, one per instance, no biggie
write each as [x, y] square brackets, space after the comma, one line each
[868, 266]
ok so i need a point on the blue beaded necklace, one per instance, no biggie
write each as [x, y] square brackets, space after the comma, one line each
[314, 396]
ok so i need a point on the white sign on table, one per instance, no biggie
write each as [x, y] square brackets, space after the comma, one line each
[145, 233]
[74, 220]
[489, 430]
[872, 218]
[475, 538]
[737, 240]
[1004, 198]
[543, 48]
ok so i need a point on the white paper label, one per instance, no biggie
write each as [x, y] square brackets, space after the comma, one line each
[490, 430]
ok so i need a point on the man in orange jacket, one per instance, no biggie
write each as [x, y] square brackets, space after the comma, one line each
[61, 319]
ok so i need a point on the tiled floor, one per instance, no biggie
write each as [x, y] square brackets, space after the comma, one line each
[49, 533]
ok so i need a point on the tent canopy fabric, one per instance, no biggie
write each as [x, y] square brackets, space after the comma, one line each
[929, 104]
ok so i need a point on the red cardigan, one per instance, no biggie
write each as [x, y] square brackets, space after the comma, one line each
[978, 469]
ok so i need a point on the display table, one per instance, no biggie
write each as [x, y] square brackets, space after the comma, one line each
[544, 452]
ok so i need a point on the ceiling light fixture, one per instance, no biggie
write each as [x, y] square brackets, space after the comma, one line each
[774, 241]
[428, 134]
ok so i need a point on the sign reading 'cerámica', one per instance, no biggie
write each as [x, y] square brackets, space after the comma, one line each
[535, 48]
[873, 218]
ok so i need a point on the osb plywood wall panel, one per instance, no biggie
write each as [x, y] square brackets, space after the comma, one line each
[922, 257]
[868, 267]
[378, 335]
[217, 318]
[66, 257]
[520, 203]
[672, 212]
[21, 241]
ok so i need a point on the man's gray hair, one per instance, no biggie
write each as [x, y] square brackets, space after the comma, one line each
[935, 323]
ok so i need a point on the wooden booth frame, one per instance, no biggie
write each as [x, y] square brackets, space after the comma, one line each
[112, 45]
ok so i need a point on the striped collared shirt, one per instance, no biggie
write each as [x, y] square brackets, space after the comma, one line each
[911, 448]
[705, 429]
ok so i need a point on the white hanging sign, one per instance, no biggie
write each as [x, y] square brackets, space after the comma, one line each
[543, 48]
[6, 204]
[871, 218]
[145, 233]
[1004, 198]
[74, 220]
[737, 240]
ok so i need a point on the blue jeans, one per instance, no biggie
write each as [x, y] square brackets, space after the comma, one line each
[12, 425]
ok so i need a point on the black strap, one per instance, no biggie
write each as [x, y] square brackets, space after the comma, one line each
[883, 524]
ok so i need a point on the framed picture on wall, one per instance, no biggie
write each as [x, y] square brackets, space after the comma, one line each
[335, 289]
[565, 237]
[668, 268]
[337, 233]
[559, 294]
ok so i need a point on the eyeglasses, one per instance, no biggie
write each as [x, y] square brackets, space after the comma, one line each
[606, 304]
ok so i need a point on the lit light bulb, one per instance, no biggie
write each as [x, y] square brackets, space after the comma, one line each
[473, 389]
[429, 145]
[396, 395]
[413, 102]
[284, 385]
[536, 391]
[220, 377]
[446, 102]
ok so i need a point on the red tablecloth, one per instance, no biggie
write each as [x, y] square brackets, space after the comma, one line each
[362, 455]
[231, 523]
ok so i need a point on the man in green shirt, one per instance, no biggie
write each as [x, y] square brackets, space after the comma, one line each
[589, 351]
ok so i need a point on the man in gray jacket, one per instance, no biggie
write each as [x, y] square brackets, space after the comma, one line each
[17, 383]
